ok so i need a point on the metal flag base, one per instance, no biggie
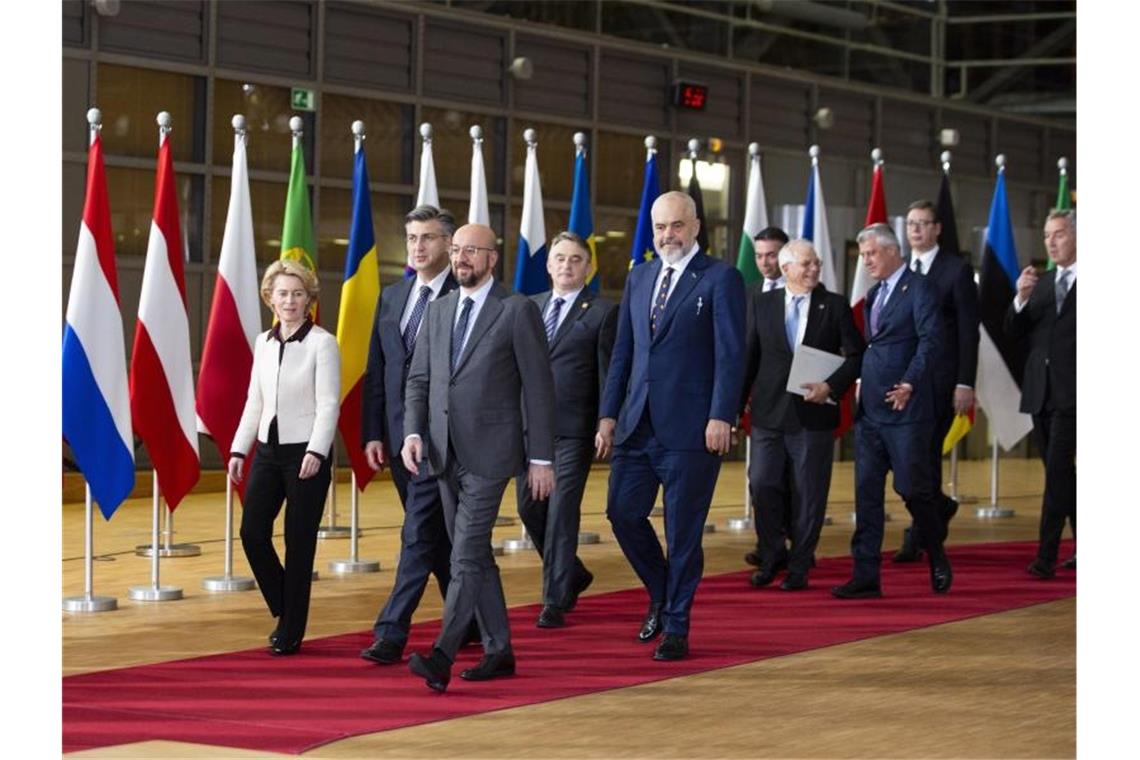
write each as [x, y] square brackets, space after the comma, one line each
[228, 583]
[348, 566]
[588, 537]
[854, 517]
[740, 524]
[173, 550]
[155, 593]
[513, 545]
[335, 531]
[89, 604]
[503, 520]
[991, 511]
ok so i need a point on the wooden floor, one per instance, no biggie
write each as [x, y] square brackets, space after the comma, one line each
[998, 686]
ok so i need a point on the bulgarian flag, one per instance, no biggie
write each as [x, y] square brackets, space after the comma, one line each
[755, 218]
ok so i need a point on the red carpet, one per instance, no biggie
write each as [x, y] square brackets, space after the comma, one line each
[326, 693]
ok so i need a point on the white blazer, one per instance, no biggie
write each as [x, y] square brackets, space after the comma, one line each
[303, 393]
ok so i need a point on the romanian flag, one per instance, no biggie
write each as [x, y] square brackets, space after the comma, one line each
[358, 296]
[581, 220]
[642, 250]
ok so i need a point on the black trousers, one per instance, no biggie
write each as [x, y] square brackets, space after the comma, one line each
[1056, 435]
[944, 415]
[272, 481]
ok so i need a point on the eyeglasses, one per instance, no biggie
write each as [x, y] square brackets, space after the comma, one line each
[427, 237]
[468, 250]
[919, 224]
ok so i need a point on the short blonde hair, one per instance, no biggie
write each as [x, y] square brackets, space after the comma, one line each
[294, 268]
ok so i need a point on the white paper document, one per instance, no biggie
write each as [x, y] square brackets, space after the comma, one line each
[811, 365]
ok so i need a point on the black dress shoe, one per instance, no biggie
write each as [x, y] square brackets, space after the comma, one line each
[551, 617]
[753, 558]
[383, 652]
[854, 589]
[651, 626]
[673, 646]
[491, 666]
[1070, 563]
[435, 670]
[909, 551]
[282, 648]
[794, 582]
[762, 577]
[1039, 568]
[582, 583]
[276, 632]
[941, 577]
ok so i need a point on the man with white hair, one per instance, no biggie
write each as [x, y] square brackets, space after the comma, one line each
[895, 418]
[794, 428]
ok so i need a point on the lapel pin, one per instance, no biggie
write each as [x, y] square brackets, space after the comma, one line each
[585, 305]
[904, 287]
[700, 303]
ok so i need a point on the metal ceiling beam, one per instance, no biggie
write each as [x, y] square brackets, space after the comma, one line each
[1008, 74]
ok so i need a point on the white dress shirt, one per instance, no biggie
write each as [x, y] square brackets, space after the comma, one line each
[436, 285]
[479, 297]
[678, 270]
[1018, 304]
[568, 301]
[779, 282]
[927, 259]
[892, 283]
[804, 309]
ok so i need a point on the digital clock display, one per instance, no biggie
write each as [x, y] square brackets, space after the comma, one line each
[690, 95]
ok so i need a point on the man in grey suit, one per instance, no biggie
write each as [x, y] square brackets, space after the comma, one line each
[480, 364]
[580, 328]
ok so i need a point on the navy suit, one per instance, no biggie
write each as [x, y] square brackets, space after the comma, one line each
[663, 389]
[424, 546]
[956, 361]
[902, 350]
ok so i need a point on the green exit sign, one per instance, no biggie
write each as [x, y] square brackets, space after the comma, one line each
[302, 100]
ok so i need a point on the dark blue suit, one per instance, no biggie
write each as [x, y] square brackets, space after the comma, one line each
[424, 546]
[663, 390]
[903, 350]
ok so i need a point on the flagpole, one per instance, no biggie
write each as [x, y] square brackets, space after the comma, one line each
[89, 602]
[155, 592]
[993, 509]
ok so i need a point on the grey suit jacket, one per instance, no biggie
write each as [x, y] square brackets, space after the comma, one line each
[504, 370]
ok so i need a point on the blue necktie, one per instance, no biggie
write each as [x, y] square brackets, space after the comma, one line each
[552, 317]
[411, 330]
[877, 307]
[792, 321]
[659, 302]
[460, 331]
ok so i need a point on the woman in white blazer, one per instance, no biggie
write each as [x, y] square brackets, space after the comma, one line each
[292, 408]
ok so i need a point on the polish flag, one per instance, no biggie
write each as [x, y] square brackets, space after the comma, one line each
[235, 320]
[162, 383]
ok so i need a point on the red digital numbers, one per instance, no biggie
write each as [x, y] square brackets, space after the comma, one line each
[690, 96]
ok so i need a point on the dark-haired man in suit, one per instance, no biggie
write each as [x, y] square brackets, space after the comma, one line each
[480, 368]
[671, 398]
[956, 362]
[424, 545]
[895, 418]
[580, 328]
[792, 433]
[1045, 311]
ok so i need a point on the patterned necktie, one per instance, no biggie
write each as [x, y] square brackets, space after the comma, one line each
[552, 317]
[659, 302]
[877, 307]
[918, 265]
[460, 331]
[411, 330]
[1062, 288]
[792, 321]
